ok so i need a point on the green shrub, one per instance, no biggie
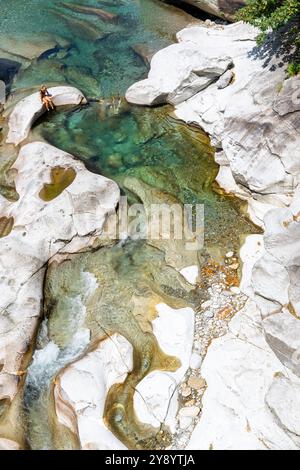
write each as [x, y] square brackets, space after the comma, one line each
[267, 14]
[293, 69]
[281, 16]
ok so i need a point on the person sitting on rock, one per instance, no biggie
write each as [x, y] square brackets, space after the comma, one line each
[46, 98]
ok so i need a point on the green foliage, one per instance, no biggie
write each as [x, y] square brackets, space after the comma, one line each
[267, 14]
[293, 69]
[282, 16]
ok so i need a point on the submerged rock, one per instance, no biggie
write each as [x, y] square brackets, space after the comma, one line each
[8, 70]
[103, 14]
[85, 29]
[225, 79]
[225, 9]
[28, 48]
[145, 52]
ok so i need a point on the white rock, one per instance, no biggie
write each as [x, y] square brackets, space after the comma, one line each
[28, 110]
[221, 159]
[185, 422]
[235, 290]
[271, 280]
[190, 273]
[206, 304]
[41, 230]
[82, 388]
[282, 332]
[189, 411]
[283, 398]
[287, 100]
[208, 314]
[225, 79]
[156, 400]
[259, 153]
[7, 444]
[239, 369]
[196, 361]
[250, 253]
[177, 73]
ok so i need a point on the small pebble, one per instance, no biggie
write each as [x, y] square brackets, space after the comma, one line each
[235, 290]
[206, 304]
[190, 403]
[196, 361]
[234, 266]
[208, 314]
[186, 391]
[196, 382]
[190, 411]
[185, 421]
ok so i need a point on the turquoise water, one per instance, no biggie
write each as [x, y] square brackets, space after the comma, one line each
[100, 58]
[116, 140]
[108, 64]
[149, 145]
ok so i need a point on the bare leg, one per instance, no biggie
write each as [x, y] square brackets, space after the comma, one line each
[46, 103]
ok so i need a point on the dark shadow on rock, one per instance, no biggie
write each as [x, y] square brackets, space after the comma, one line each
[8, 69]
[280, 44]
[230, 7]
[191, 9]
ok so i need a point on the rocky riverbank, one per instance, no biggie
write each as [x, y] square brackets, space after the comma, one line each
[141, 344]
[59, 207]
[251, 110]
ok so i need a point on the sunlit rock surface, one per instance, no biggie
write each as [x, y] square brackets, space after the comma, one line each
[257, 141]
[253, 372]
[7, 444]
[41, 230]
[81, 391]
[156, 397]
[240, 370]
[176, 74]
[253, 123]
[251, 120]
[28, 110]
